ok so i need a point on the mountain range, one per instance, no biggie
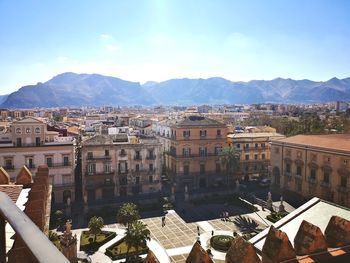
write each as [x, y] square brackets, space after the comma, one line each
[71, 89]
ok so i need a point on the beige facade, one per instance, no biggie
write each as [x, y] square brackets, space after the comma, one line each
[254, 152]
[120, 165]
[313, 165]
[192, 154]
[29, 143]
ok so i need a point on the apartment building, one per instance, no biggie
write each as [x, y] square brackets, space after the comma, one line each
[313, 165]
[28, 143]
[120, 165]
[192, 154]
[254, 150]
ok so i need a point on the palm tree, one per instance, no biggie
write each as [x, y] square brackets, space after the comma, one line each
[136, 236]
[95, 225]
[128, 214]
[230, 157]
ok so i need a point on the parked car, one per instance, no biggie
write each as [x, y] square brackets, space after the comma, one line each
[265, 182]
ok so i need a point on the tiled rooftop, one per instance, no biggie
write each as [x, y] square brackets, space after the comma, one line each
[331, 141]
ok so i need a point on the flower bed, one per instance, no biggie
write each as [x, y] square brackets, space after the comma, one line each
[221, 242]
[88, 242]
[119, 250]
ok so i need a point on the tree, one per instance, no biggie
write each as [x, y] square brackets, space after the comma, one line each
[230, 158]
[136, 236]
[95, 225]
[128, 214]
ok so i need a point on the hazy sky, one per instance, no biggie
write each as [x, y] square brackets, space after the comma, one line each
[163, 39]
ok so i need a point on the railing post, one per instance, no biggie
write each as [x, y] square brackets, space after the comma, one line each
[2, 240]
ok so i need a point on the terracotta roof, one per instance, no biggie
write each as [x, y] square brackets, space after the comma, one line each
[12, 190]
[331, 141]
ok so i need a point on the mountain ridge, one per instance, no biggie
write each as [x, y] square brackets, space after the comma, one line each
[72, 89]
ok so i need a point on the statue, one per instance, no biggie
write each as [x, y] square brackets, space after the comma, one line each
[281, 206]
[186, 193]
[68, 201]
[237, 186]
[68, 227]
[269, 201]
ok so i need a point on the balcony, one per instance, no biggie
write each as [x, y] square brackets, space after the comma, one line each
[99, 173]
[288, 174]
[58, 165]
[151, 157]
[9, 167]
[298, 176]
[312, 180]
[123, 172]
[137, 158]
[98, 158]
[325, 184]
[36, 241]
[342, 189]
[123, 154]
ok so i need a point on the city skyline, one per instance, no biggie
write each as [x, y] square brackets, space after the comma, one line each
[159, 40]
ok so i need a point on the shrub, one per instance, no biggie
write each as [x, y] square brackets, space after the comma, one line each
[221, 242]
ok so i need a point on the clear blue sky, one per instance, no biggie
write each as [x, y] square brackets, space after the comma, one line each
[163, 39]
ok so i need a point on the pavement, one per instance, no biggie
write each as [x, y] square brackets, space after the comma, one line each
[173, 241]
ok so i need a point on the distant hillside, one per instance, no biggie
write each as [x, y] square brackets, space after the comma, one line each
[3, 98]
[70, 89]
[219, 90]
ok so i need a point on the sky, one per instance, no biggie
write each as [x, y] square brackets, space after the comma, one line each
[156, 40]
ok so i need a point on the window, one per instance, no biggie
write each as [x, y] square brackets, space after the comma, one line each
[123, 167]
[246, 168]
[186, 134]
[186, 152]
[263, 145]
[37, 141]
[90, 155]
[202, 151]
[18, 130]
[218, 168]
[137, 180]
[276, 150]
[218, 150]
[37, 130]
[255, 157]
[65, 161]
[343, 181]
[238, 146]
[255, 167]
[28, 130]
[8, 164]
[186, 169]
[288, 167]
[256, 146]
[137, 155]
[107, 168]
[106, 152]
[91, 168]
[122, 152]
[150, 179]
[246, 146]
[299, 170]
[202, 168]
[137, 167]
[247, 157]
[19, 142]
[263, 156]
[218, 132]
[326, 177]
[203, 133]
[313, 174]
[49, 161]
[151, 167]
[30, 162]
[345, 162]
